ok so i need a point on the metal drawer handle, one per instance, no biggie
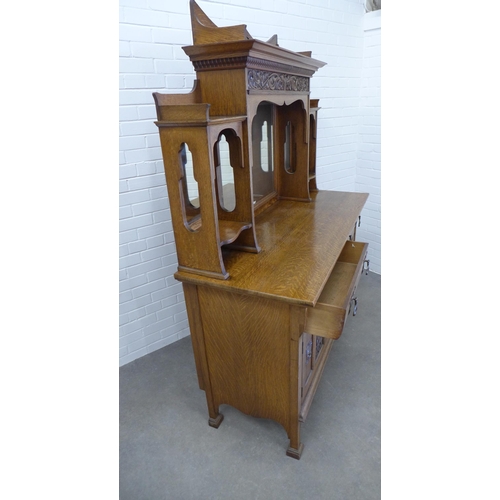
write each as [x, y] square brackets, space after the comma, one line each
[366, 265]
[355, 308]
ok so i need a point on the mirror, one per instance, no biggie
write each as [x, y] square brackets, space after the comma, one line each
[225, 172]
[262, 152]
[193, 196]
[266, 147]
[289, 160]
[189, 189]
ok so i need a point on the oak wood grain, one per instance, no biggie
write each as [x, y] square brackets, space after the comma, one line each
[328, 317]
[300, 243]
[205, 31]
[316, 377]
[251, 53]
[296, 327]
[245, 351]
[198, 341]
[264, 281]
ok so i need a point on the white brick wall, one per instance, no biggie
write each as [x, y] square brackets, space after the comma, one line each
[152, 32]
[369, 133]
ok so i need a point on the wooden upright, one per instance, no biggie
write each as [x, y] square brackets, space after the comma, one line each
[269, 264]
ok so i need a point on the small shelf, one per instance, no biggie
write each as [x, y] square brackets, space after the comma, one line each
[230, 230]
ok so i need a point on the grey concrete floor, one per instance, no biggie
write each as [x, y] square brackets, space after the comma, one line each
[168, 451]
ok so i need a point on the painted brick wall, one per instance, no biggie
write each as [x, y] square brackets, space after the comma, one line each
[152, 32]
[369, 133]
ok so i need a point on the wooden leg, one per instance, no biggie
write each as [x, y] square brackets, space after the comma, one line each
[294, 453]
[214, 417]
[296, 447]
[297, 321]
[215, 422]
[198, 340]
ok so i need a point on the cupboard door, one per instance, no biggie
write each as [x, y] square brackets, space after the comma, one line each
[318, 343]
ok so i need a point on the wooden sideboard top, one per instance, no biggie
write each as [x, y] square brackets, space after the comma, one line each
[300, 244]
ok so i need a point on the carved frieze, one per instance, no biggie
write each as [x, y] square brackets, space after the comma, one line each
[267, 80]
[252, 63]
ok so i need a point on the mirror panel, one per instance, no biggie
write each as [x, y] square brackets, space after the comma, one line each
[193, 195]
[225, 173]
[288, 156]
[262, 152]
[189, 189]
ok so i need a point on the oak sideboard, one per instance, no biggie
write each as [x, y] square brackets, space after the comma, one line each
[269, 264]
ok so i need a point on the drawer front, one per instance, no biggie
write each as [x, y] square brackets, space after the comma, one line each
[328, 317]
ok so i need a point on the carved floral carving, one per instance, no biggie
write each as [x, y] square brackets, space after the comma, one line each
[267, 80]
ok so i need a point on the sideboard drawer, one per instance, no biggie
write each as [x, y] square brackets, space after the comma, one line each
[328, 317]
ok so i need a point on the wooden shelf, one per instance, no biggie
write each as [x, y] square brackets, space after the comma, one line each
[229, 230]
[299, 248]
